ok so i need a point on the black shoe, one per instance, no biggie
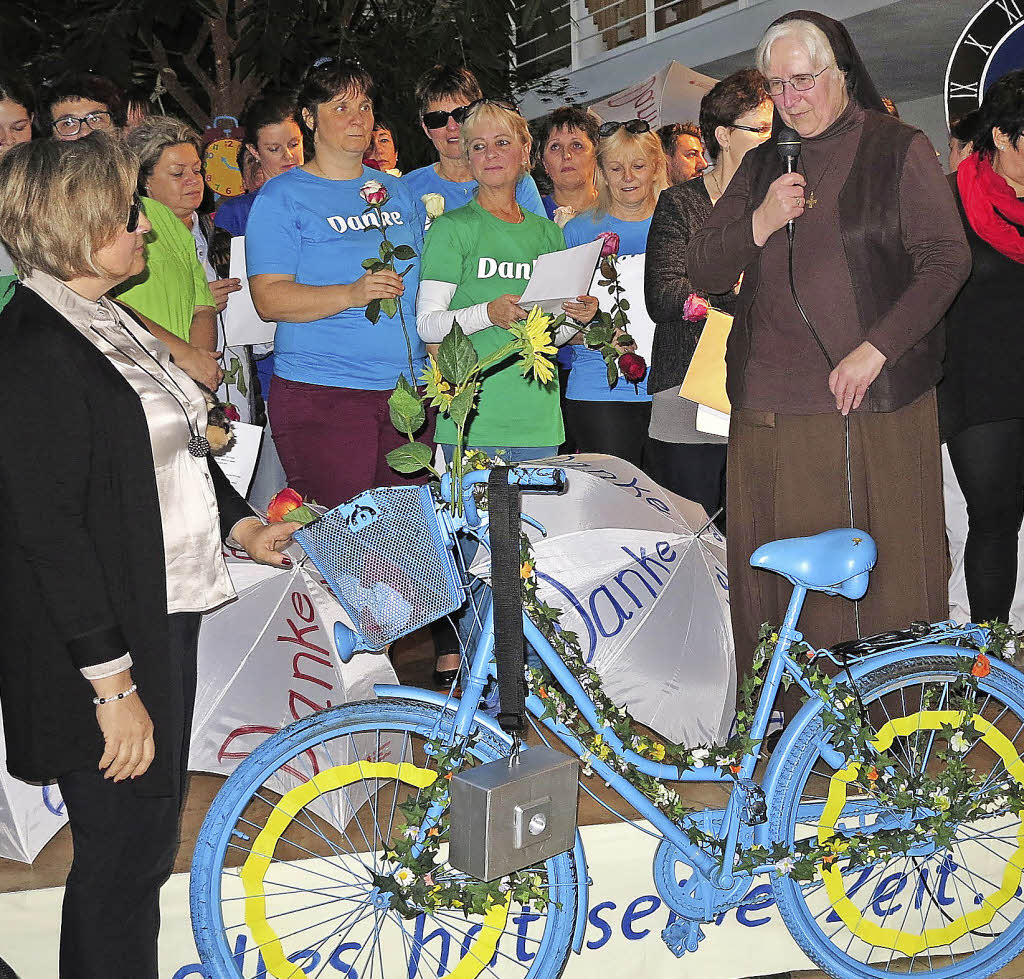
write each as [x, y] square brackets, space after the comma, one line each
[445, 678]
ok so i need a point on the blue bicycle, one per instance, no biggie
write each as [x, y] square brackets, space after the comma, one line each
[297, 869]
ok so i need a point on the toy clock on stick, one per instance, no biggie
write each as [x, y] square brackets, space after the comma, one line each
[991, 44]
[222, 143]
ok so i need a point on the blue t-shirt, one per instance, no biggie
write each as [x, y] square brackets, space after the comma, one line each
[233, 212]
[588, 377]
[315, 229]
[427, 181]
[549, 206]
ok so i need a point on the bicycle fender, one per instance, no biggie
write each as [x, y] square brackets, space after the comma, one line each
[811, 709]
[445, 702]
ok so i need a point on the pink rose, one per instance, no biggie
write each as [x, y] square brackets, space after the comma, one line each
[633, 368]
[695, 308]
[611, 243]
[373, 192]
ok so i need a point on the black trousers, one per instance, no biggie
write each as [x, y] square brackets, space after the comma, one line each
[695, 472]
[988, 461]
[616, 428]
[124, 848]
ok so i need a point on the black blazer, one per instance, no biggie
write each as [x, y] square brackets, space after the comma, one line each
[83, 579]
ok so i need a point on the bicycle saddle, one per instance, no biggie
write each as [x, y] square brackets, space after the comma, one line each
[837, 562]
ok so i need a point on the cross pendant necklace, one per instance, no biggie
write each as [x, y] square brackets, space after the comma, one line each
[812, 200]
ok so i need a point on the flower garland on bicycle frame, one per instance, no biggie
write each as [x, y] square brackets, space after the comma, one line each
[954, 796]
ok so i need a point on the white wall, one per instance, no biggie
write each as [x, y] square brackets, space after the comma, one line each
[929, 115]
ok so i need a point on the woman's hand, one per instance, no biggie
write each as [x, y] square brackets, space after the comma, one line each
[264, 542]
[221, 289]
[376, 285]
[505, 310]
[583, 310]
[128, 746]
[853, 375]
[200, 365]
[623, 348]
[783, 202]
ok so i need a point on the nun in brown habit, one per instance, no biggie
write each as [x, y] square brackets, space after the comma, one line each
[878, 255]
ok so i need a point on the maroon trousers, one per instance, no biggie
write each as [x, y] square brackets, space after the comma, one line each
[333, 442]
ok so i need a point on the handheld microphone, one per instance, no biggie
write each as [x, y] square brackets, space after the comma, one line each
[788, 144]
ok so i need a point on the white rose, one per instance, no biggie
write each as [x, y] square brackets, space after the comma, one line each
[434, 204]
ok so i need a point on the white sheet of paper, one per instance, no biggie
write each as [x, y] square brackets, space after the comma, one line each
[242, 324]
[630, 269]
[239, 462]
[712, 421]
[560, 277]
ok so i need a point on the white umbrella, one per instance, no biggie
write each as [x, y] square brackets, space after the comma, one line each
[640, 577]
[29, 814]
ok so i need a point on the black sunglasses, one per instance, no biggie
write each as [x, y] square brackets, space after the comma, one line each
[439, 119]
[132, 224]
[634, 126]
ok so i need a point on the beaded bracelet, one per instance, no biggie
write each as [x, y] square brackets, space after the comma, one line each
[98, 701]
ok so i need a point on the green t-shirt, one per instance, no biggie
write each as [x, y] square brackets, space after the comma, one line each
[174, 282]
[487, 258]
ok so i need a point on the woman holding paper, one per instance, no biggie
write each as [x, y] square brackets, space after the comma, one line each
[631, 174]
[477, 261]
[735, 116]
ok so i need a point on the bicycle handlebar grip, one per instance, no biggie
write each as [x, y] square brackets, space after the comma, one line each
[542, 478]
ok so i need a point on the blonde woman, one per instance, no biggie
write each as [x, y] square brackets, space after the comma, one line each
[476, 263]
[631, 174]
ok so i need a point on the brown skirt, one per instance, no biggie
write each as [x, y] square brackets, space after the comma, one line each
[787, 478]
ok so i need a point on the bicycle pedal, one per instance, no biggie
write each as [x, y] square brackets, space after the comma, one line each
[682, 936]
[754, 809]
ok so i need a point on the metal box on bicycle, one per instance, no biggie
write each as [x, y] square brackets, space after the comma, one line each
[388, 559]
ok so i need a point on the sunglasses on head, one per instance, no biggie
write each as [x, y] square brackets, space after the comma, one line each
[439, 119]
[132, 224]
[634, 126]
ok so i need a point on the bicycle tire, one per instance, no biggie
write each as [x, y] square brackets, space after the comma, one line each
[6, 972]
[822, 925]
[219, 952]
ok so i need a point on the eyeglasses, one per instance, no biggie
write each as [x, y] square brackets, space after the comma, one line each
[634, 126]
[760, 130]
[72, 125]
[800, 83]
[439, 119]
[132, 224]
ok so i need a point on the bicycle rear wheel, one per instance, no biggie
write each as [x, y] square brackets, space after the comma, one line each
[956, 911]
[289, 865]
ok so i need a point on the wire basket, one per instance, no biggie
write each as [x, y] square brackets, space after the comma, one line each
[387, 560]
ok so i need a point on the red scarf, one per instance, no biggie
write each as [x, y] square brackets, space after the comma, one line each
[993, 209]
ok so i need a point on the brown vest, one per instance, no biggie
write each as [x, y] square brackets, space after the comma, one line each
[880, 267]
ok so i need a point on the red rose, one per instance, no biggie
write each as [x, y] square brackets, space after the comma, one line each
[695, 308]
[231, 412]
[633, 368]
[611, 243]
[282, 504]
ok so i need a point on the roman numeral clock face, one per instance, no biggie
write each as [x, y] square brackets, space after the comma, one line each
[991, 45]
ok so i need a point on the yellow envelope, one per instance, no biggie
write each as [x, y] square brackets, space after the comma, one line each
[705, 377]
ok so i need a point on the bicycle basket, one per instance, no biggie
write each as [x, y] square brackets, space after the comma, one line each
[387, 560]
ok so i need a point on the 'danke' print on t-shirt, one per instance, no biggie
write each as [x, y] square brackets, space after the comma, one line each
[316, 230]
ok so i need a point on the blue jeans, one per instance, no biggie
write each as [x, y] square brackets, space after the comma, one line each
[510, 453]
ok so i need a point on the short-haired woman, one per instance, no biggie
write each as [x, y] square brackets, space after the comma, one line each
[631, 175]
[273, 140]
[735, 116]
[100, 624]
[476, 264]
[174, 293]
[878, 255]
[568, 153]
[305, 243]
[444, 93]
[16, 111]
[981, 414]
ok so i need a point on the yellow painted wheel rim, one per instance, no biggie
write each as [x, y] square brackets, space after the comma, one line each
[254, 870]
[912, 943]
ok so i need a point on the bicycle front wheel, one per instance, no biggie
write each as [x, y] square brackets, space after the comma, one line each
[950, 911]
[291, 870]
